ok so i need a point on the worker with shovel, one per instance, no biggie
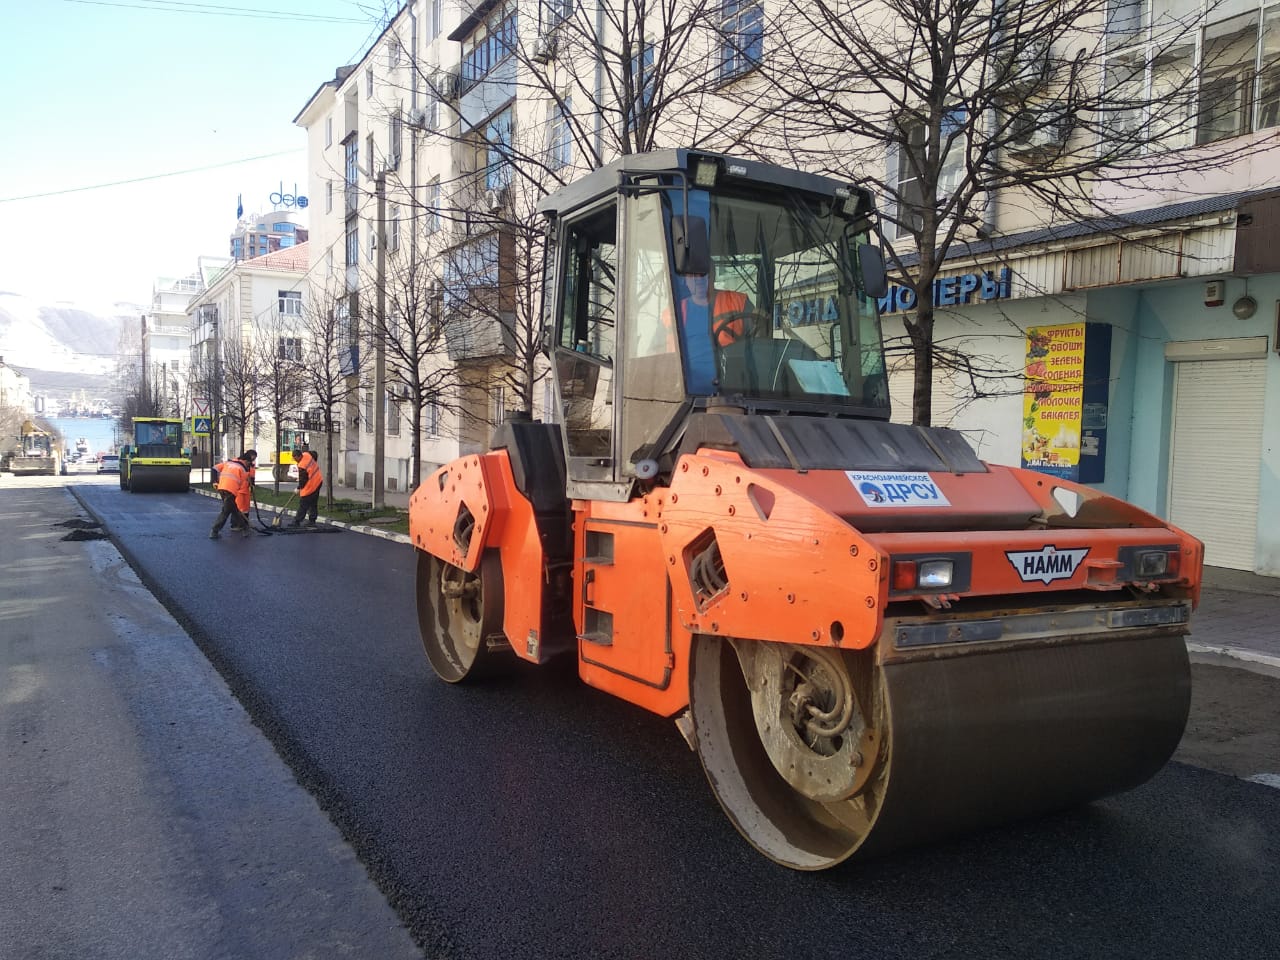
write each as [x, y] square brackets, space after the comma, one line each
[235, 480]
[310, 480]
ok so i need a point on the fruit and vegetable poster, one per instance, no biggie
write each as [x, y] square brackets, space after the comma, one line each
[1064, 401]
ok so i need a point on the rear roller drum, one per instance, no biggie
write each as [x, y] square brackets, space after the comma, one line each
[458, 612]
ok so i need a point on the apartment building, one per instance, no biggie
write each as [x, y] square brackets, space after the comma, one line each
[249, 314]
[1137, 349]
[166, 341]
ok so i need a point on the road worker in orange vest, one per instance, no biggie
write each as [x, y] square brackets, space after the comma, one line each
[310, 480]
[710, 319]
[235, 481]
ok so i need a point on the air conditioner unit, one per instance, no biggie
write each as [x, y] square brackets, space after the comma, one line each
[1039, 134]
[544, 48]
[1027, 67]
[420, 117]
[445, 84]
[494, 199]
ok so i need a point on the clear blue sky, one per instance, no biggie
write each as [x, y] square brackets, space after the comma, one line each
[102, 91]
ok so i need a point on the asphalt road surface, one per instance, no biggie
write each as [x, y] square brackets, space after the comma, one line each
[535, 817]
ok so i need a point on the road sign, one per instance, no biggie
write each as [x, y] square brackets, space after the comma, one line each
[200, 426]
[202, 408]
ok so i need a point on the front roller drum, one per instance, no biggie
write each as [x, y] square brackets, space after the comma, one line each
[459, 613]
[817, 753]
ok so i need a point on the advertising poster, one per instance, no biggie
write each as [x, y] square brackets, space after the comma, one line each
[1053, 399]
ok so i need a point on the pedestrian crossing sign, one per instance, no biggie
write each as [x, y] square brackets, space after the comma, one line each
[200, 426]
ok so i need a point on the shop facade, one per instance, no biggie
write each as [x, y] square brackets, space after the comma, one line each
[1141, 361]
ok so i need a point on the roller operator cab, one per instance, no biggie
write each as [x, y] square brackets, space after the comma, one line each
[870, 636]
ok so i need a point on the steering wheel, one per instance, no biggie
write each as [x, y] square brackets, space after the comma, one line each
[747, 322]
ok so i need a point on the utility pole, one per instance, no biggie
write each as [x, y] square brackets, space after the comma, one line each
[380, 350]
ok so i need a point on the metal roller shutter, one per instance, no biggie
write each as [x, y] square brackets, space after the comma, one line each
[1215, 454]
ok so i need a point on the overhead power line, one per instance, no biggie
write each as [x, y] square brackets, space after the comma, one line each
[154, 176]
[220, 10]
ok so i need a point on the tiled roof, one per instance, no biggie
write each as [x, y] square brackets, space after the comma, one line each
[291, 259]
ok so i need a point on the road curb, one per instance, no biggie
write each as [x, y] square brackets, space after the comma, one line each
[353, 527]
[1245, 659]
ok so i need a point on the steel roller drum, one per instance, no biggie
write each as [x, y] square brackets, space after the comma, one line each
[958, 740]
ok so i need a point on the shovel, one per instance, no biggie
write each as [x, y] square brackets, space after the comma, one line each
[279, 517]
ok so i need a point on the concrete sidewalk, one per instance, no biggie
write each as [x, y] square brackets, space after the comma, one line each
[1238, 618]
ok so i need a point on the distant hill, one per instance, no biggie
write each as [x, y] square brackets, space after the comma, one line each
[64, 347]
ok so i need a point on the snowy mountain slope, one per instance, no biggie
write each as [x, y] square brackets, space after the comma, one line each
[63, 337]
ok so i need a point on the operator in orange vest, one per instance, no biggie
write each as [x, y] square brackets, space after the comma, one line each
[310, 480]
[707, 313]
[235, 481]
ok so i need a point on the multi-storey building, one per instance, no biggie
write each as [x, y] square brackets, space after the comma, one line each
[166, 341]
[250, 315]
[262, 233]
[1160, 318]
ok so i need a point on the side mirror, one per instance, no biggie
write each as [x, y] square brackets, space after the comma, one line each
[875, 284]
[690, 247]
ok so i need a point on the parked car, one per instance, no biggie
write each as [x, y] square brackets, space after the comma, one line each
[109, 463]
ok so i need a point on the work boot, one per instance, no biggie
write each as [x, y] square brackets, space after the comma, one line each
[214, 535]
[245, 531]
[308, 522]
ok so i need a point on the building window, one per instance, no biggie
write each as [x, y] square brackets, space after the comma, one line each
[741, 37]
[290, 303]
[351, 172]
[910, 159]
[328, 196]
[433, 27]
[328, 131]
[431, 216]
[290, 348]
[353, 243]
[552, 13]
[488, 45]
[431, 419]
[368, 411]
[394, 137]
[368, 83]
[394, 54]
[393, 416]
[497, 135]
[393, 227]
[1174, 79]
[560, 136]
[499, 405]
[368, 146]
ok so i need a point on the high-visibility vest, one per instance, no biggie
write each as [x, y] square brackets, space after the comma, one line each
[233, 476]
[725, 302]
[311, 465]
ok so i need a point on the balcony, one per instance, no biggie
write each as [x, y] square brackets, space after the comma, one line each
[474, 335]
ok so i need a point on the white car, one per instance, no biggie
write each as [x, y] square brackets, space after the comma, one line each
[109, 463]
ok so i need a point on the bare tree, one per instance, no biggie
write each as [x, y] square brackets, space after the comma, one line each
[944, 108]
[591, 83]
[241, 400]
[279, 358]
[412, 335]
[330, 363]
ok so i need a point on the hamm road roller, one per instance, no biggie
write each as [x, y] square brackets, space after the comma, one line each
[156, 460]
[870, 636]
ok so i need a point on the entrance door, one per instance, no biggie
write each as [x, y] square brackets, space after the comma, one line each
[1215, 454]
